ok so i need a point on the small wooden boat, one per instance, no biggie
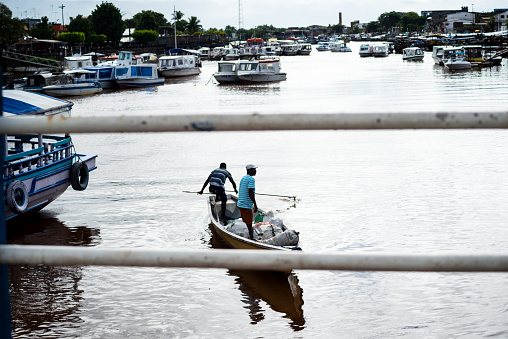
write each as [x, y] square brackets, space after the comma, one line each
[238, 241]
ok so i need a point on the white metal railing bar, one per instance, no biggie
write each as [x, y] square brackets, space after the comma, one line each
[252, 122]
[251, 259]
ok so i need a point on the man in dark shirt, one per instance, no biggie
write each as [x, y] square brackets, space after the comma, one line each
[217, 179]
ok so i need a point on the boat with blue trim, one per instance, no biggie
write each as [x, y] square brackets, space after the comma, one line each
[131, 73]
[38, 168]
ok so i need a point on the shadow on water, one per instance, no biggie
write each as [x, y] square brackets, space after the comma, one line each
[44, 296]
[281, 292]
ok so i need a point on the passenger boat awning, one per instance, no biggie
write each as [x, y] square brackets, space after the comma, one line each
[21, 102]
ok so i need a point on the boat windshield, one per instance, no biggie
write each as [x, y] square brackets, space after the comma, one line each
[226, 67]
[248, 67]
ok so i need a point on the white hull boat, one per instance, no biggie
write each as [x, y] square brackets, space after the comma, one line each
[179, 66]
[264, 70]
[227, 72]
[457, 62]
[339, 46]
[84, 88]
[412, 54]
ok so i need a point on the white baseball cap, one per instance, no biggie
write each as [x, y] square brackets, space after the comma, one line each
[250, 166]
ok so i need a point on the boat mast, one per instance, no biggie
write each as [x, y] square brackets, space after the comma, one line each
[240, 18]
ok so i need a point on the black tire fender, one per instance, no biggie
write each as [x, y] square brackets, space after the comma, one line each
[79, 176]
[16, 196]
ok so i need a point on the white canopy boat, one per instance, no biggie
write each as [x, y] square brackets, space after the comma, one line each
[380, 49]
[74, 86]
[227, 72]
[366, 50]
[179, 66]
[37, 169]
[457, 61]
[339, 46]
[413, 53]
[263, 70]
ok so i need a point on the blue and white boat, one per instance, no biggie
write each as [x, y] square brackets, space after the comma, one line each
[38, 168]
[130, 73]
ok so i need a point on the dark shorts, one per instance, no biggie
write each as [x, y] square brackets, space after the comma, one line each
[220, 192]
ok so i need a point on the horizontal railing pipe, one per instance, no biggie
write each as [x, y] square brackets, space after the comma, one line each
[252, 122]
[251, 259]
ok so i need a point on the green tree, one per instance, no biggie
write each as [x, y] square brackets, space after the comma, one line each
[491, 25]
[181, 24]
[43, 30]
[373, 27]
[389, 20]
[107, 19]
[96, 38]
[72, 37]
[149, 20]
[412, 22]
[145, 36]
[194, 25]
[11, 29]
[338, 28]
[80, 24]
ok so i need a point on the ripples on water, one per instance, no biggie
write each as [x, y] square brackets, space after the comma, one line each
[358, 191]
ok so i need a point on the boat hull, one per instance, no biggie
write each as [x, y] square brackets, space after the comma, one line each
[260, 78]
[182, 72]
[44, 185]
[226, 79]
[139, 82]
[73, 89]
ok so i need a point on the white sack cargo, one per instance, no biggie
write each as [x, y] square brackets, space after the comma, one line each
[287, 238]
[239, 228]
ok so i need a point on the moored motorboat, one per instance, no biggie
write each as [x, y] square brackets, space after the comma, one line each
[380, 49]
[37, 169]
[179, 66]
[227, 72]
[82, 88]
[304, 49]
[413, 54]
[323, 46]
[339, 46]
[457, 61]
[131, 74]
[74, 87]
[264, 70]
[365, 50]
[269, 233]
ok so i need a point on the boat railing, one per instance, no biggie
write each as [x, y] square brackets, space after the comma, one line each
[43, 152]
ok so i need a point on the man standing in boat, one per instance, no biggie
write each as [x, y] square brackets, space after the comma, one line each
[246, 198]
[217, 179]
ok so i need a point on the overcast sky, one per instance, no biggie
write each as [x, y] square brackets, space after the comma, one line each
[220, 13]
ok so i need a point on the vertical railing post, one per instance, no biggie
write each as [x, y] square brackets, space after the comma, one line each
[5, 302]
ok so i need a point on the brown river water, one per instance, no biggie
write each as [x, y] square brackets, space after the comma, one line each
[406, 191]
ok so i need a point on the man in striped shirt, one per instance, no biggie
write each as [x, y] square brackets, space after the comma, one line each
[247, 199]
[217, 179]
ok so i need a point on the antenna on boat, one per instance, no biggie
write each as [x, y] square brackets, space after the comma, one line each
[174, 14]
[240, 17]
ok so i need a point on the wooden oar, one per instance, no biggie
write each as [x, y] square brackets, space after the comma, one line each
[271, 195]
[275, 195]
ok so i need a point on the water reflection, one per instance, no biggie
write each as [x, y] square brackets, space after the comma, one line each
[44, 296]
[281, 292]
